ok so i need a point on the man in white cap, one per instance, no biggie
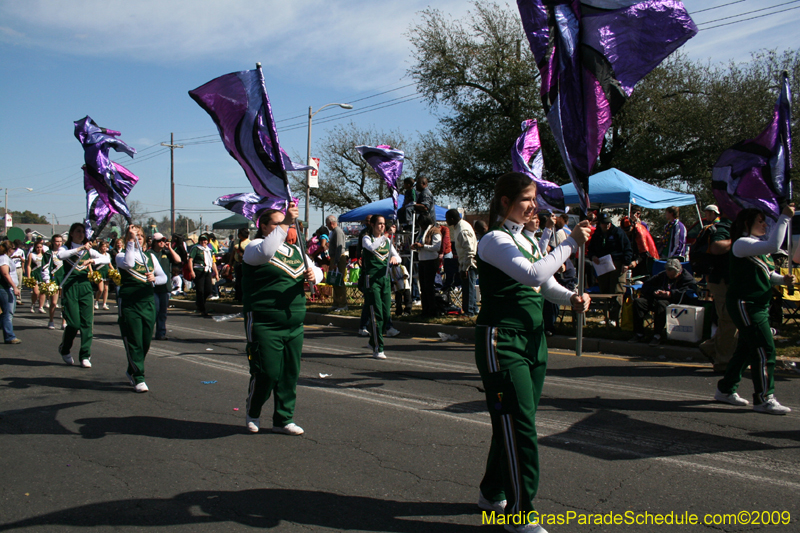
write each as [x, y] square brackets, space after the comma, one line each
[162, 252]
[710, 215]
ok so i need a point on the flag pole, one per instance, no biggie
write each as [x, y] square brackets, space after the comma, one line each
[279, 160]
[790, 288]
[581, 289]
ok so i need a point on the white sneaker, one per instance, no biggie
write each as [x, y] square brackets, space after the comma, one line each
[771, 407]
[85, 363]
[214, 298]
[41, 310]
[378, 355]
[51, 325]
[363, 332]
[141, 387]
[391, 332]
[487, 505]
[67, 358]
[289, 429]
[58, 305]
[63, 325]
[105, 306]
[252, 424]
[96, 304]
[733, 399]
[33, 310]
[527, 528]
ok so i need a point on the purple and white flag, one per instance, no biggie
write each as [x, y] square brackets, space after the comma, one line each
[388, 163]
[107, 184]
[249, 204]
[526, 157]
[590, 55]
[239, 105]
[755, 172]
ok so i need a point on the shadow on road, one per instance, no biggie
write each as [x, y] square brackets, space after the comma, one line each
[263, 508]
[153, 426]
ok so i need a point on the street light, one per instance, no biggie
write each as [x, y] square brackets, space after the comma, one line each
[5, 218]
[308, 157]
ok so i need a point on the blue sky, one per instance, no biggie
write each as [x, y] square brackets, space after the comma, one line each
[130, 64]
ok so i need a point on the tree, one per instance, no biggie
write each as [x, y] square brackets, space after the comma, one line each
[346, 179]
[27, 217]
[481, 77]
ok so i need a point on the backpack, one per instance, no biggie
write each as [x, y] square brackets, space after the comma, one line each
[701, 260]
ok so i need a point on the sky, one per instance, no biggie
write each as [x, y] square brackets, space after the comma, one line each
[129, 65]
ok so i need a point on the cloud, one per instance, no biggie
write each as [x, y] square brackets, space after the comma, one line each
[353, 39]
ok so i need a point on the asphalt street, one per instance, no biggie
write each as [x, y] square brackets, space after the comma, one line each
[396, 445]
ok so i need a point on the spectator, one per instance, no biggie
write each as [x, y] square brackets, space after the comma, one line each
[644, 248]
[338, 261]
[611, 240]
[672, 286]
[18, 257]
[480, 229]
[406, 212]
[429, 245]
[562, 228]
[238, 254]
[165, 256]
[466, 246]
[9, 291]
[425, 204]
[674, 240]
[201, 263]
[402, 289]
[713, 244]
[449, 262]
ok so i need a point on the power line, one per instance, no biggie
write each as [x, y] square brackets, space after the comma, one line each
[716, 7]
[751, 12]
[751, 18]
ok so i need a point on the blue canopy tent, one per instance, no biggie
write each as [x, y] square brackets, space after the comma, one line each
[381, 207]
[613, 188]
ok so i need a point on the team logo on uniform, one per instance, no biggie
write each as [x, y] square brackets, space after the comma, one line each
[290, 260]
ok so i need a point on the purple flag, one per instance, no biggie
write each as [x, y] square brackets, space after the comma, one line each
[388, 163]
[107, 184]
[755, 172]
[590, 55]
[249, 204]
[526, 157]
[239, 105]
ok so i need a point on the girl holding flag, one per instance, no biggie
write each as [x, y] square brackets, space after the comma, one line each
[748, 298]
[78, 255]
[137, 309]
[377, 251]
[510, 346]
[274, 308]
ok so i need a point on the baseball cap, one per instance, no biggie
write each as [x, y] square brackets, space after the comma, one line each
[674, 264]
[712, 207]
[158, 237]
[604, 218]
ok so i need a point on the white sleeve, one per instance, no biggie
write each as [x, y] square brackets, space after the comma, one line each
[499, 250]
[261, 251]
[750, 246]
[372, 244]
[319, 275]
[544, 241]
[556, 293]
[435, 245]
[127, 260]
[64, 253]
[161, 276]
[100, 259]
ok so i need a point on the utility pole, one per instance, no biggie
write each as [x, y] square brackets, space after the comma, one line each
[172, 147]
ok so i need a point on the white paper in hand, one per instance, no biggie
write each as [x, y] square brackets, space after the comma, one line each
[605, 265]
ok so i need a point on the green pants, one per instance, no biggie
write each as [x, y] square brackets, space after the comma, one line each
[137, 319]
[512, 364]
[378, 298]
[273, 352]
[77, 310]
[756, 349]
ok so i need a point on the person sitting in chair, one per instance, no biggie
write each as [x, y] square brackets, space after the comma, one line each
[672, 286]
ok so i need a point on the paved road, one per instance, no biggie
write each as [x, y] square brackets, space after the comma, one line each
[394, 445]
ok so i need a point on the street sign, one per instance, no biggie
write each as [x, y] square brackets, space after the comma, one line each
[313, 181]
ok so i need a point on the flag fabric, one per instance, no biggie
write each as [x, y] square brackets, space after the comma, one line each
[250, 204]
[239, 105]
[590, 55]
[388, 163]
[755, 172]
[107, 184]
[526, 157]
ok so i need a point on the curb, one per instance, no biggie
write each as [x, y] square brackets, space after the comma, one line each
[467, 335]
